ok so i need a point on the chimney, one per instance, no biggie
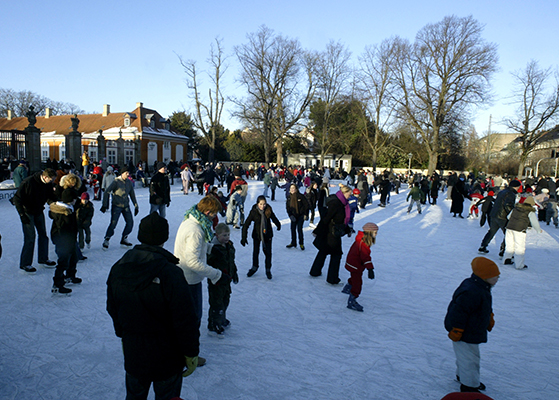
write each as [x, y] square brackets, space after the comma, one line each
[106, 109]
[47, 112]
[139, 104]
[9, 115]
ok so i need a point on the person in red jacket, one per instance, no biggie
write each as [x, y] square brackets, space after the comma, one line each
[359, 259]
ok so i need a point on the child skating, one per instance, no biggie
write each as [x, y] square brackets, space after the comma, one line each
[359, 259]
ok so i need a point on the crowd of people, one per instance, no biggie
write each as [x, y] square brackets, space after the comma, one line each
[151, 308]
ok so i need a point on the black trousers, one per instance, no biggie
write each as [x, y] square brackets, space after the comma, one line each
[137, 389]
[266, 249]
[333, 269]
[494, 226]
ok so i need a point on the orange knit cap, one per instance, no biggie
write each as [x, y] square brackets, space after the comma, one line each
[485, 268]
[370, 227]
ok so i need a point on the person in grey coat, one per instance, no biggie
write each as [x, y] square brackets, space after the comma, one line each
[122, 192]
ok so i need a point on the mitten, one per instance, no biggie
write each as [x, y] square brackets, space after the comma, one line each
[235, 278]
[279, 227]
[24, 219]
[491, 323]
[103, 209]
[136, 210]
[244, 242]
[168, 204]
[292, 218]
[455, 334]
[371, 273]
[191, 364]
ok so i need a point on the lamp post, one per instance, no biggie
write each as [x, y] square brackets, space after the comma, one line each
[410, 155]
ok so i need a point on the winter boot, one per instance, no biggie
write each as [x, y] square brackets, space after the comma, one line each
[73, 280]
[269, 273]
[125, 243]
[352, 304]
[464, 388]
[508, 261]
[61, 290]
[347, 289]
[29, 269]
[483, 250]
[480, 387]
[252, 271]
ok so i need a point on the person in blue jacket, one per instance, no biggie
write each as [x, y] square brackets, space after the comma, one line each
[468, 319]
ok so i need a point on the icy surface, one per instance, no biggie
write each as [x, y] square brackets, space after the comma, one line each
[293, 337]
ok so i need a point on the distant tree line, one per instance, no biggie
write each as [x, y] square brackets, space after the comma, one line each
[19, 102]
[400, 98]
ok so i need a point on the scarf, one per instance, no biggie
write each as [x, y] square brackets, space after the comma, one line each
[203, 220]
[262, 224]
[341, 197]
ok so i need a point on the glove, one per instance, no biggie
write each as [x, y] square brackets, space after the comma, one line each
[455, 334]
[292, 218]
[191, 364]
[25, 219]
[306, 217]
[279, 227]
[371, 274]
[136, 210]
[235, 278]
[103, 209]
[244, 242]
[168, 204]
[491, 323]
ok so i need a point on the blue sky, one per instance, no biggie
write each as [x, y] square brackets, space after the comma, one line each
[122, 52]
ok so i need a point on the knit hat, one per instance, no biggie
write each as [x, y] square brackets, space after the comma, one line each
[85, 196]
[160, 165]
[123, 170]
[545, 190]
[153, 230]
[68, 195]
[356, 191]
[530, 200]
[485, 268]
[370, 227]
[491, 193]
[514, 183]
[529, 190]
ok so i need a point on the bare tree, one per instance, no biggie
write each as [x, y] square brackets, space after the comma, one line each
[376, 82]
[278, 76]
[446, 71]
[333, 74]
[537, 103]
[207, 112]
[19, 102]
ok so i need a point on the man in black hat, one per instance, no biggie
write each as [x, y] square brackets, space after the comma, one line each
[159, 191]
[504, 203]
[153, 313]
[121, 189]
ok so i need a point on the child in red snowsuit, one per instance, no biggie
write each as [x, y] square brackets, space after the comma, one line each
[359, 259]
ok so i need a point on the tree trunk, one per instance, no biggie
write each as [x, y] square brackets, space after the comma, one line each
[433, 156]
[279, 153]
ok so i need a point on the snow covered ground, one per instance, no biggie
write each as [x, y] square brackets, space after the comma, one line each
[293, 337]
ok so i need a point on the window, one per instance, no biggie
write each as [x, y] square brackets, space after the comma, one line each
[127, 122]
[128, 155]
[152, 123]
[111, 156]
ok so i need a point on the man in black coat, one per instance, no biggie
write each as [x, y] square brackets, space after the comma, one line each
[159, 191]
[29, 201]
[153, 312]
[504, 203]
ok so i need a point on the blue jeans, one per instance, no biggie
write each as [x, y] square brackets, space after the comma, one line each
[115, 215]
[160, 208]
[37, 222]
[137, 389]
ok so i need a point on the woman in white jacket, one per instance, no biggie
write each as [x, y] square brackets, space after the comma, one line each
[192, 246]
